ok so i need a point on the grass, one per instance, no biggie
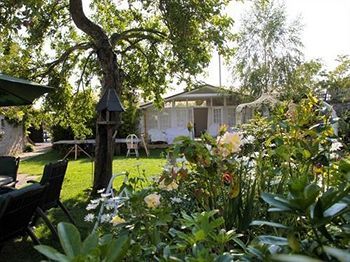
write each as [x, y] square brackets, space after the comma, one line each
[75, 195]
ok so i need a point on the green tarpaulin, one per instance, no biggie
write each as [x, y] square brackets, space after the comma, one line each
[15, 91]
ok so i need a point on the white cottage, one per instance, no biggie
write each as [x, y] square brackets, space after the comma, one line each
[207, 107]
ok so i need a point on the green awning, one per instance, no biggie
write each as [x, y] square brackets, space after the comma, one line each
[16, 91]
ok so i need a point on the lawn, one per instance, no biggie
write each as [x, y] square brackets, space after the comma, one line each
[75, 195]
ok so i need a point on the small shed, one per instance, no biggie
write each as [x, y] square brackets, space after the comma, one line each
[206, 107]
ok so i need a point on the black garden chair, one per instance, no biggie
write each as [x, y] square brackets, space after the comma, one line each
[8, 170]
[17, 208]
[52, 178]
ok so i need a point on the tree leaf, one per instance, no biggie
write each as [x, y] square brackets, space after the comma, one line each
[69, 239]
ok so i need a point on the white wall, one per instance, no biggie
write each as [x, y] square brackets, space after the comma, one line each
[13, 140]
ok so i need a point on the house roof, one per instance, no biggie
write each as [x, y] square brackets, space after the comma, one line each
[204, 91]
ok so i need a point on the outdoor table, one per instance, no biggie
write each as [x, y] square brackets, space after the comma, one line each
[4, 180]
[76, 145]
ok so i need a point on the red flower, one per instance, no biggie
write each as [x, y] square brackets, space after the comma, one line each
[227, 178]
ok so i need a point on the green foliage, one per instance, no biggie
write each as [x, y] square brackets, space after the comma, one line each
[154, 42]
[93, 248]
[337, 81]
[75, 113]
[130, 118]
[301, 80]
[278, 191]
[344, 127]
[203, 238]
[268, 48]
[314, 219]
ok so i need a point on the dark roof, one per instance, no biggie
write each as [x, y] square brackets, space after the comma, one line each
[110, 101]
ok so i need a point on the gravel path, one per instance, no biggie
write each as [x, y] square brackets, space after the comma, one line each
[39, 149]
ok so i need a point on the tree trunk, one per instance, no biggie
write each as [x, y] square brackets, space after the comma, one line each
[103, 155]
[110, 79]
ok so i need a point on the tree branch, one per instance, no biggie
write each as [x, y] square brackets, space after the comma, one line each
[86, 25]
[64, 56]
[144, 33]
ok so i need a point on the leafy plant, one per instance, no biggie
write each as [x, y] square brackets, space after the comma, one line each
[93, 248]
[310, 220]
[202, 238]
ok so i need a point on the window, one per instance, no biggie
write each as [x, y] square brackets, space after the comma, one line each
[231, 116]
[217, 116]
[164, 118]
[181, 117]
[151, 120]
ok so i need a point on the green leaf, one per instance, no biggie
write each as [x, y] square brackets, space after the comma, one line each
[341, 255]
[294, 258]
[267, 223]
[105, 239]
[334, 210]
[69, 238]
[166, 252]
[199, 235]
[117, 249]
[89, 243]
[224, 258]
[272, 240]
[51, 253]
[273, 201]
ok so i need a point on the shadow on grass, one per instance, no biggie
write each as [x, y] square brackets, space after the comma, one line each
[22, 249]
[50, 156]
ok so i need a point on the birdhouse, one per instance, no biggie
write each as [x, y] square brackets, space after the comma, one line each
[108, 106]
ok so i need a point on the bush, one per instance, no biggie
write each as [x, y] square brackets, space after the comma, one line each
[28, 148]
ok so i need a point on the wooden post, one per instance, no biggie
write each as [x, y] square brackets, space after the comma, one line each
[75, 151]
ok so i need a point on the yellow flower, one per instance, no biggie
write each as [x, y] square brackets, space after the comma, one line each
[169, 187]
[234, 191]
[229, 143]
[152, 200]
[116, 220]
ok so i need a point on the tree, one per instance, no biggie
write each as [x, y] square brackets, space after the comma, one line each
[303, 79]
[268, 48]
[125, 44]
[337, 81]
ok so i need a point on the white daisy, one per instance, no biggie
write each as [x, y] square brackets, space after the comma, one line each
[89, 217]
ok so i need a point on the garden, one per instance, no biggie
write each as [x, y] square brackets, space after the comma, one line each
[272, 184]
[277, 190]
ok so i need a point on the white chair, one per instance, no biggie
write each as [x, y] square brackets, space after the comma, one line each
[132, 143]
[112, 199]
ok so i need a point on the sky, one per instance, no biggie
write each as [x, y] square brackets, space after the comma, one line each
[326, 32]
